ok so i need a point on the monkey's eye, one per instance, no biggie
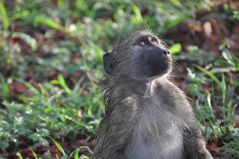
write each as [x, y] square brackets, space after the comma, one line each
[142, 43]
[147, 40]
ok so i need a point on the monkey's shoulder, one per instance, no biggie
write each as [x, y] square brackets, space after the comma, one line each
[170, 95]
[168, 88]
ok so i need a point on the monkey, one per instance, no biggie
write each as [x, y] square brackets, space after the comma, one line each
[146, 115]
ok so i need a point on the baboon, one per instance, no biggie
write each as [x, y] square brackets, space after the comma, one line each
[147, 116]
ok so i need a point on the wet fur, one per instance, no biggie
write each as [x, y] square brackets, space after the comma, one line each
[145, 117]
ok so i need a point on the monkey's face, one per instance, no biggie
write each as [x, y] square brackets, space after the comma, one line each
[149, 58]
[144, 58]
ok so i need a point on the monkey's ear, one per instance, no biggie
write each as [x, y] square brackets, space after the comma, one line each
[108, 63]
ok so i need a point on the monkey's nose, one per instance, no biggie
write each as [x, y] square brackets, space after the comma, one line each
[163, 53]
[166, 52]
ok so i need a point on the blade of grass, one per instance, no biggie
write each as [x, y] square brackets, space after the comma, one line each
[61, 81]
[75, 153]
[138, 16]
[224, 69]
[19, 155]
[28, 39]
[209, 102]
[175, 21]
[58, 146]
[63, 84]
[32, 88]
[176, 3]
[223, 89]
[210, 74]
[231, 59]
[4, 16]
[175, 48]
[4, 88]
[34, 154]
[44, 20]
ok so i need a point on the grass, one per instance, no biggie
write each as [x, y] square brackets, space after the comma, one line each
[51, 71]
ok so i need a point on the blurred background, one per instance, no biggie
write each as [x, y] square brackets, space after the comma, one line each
[51, 70]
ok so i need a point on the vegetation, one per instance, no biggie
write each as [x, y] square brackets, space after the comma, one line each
[51, 69]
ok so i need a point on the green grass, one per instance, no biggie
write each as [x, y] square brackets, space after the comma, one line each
[51, 70]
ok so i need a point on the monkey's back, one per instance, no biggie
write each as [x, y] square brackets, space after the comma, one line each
[152, 136]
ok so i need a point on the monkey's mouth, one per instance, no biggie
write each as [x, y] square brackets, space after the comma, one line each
[159, 66]
[167, 61]
[154, 63]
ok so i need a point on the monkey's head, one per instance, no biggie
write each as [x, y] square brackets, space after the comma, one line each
[142, 56]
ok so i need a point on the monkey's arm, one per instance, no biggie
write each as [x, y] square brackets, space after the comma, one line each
[195, 145]
[114, 132]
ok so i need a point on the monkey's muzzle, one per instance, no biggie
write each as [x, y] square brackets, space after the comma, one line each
[159, 61]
